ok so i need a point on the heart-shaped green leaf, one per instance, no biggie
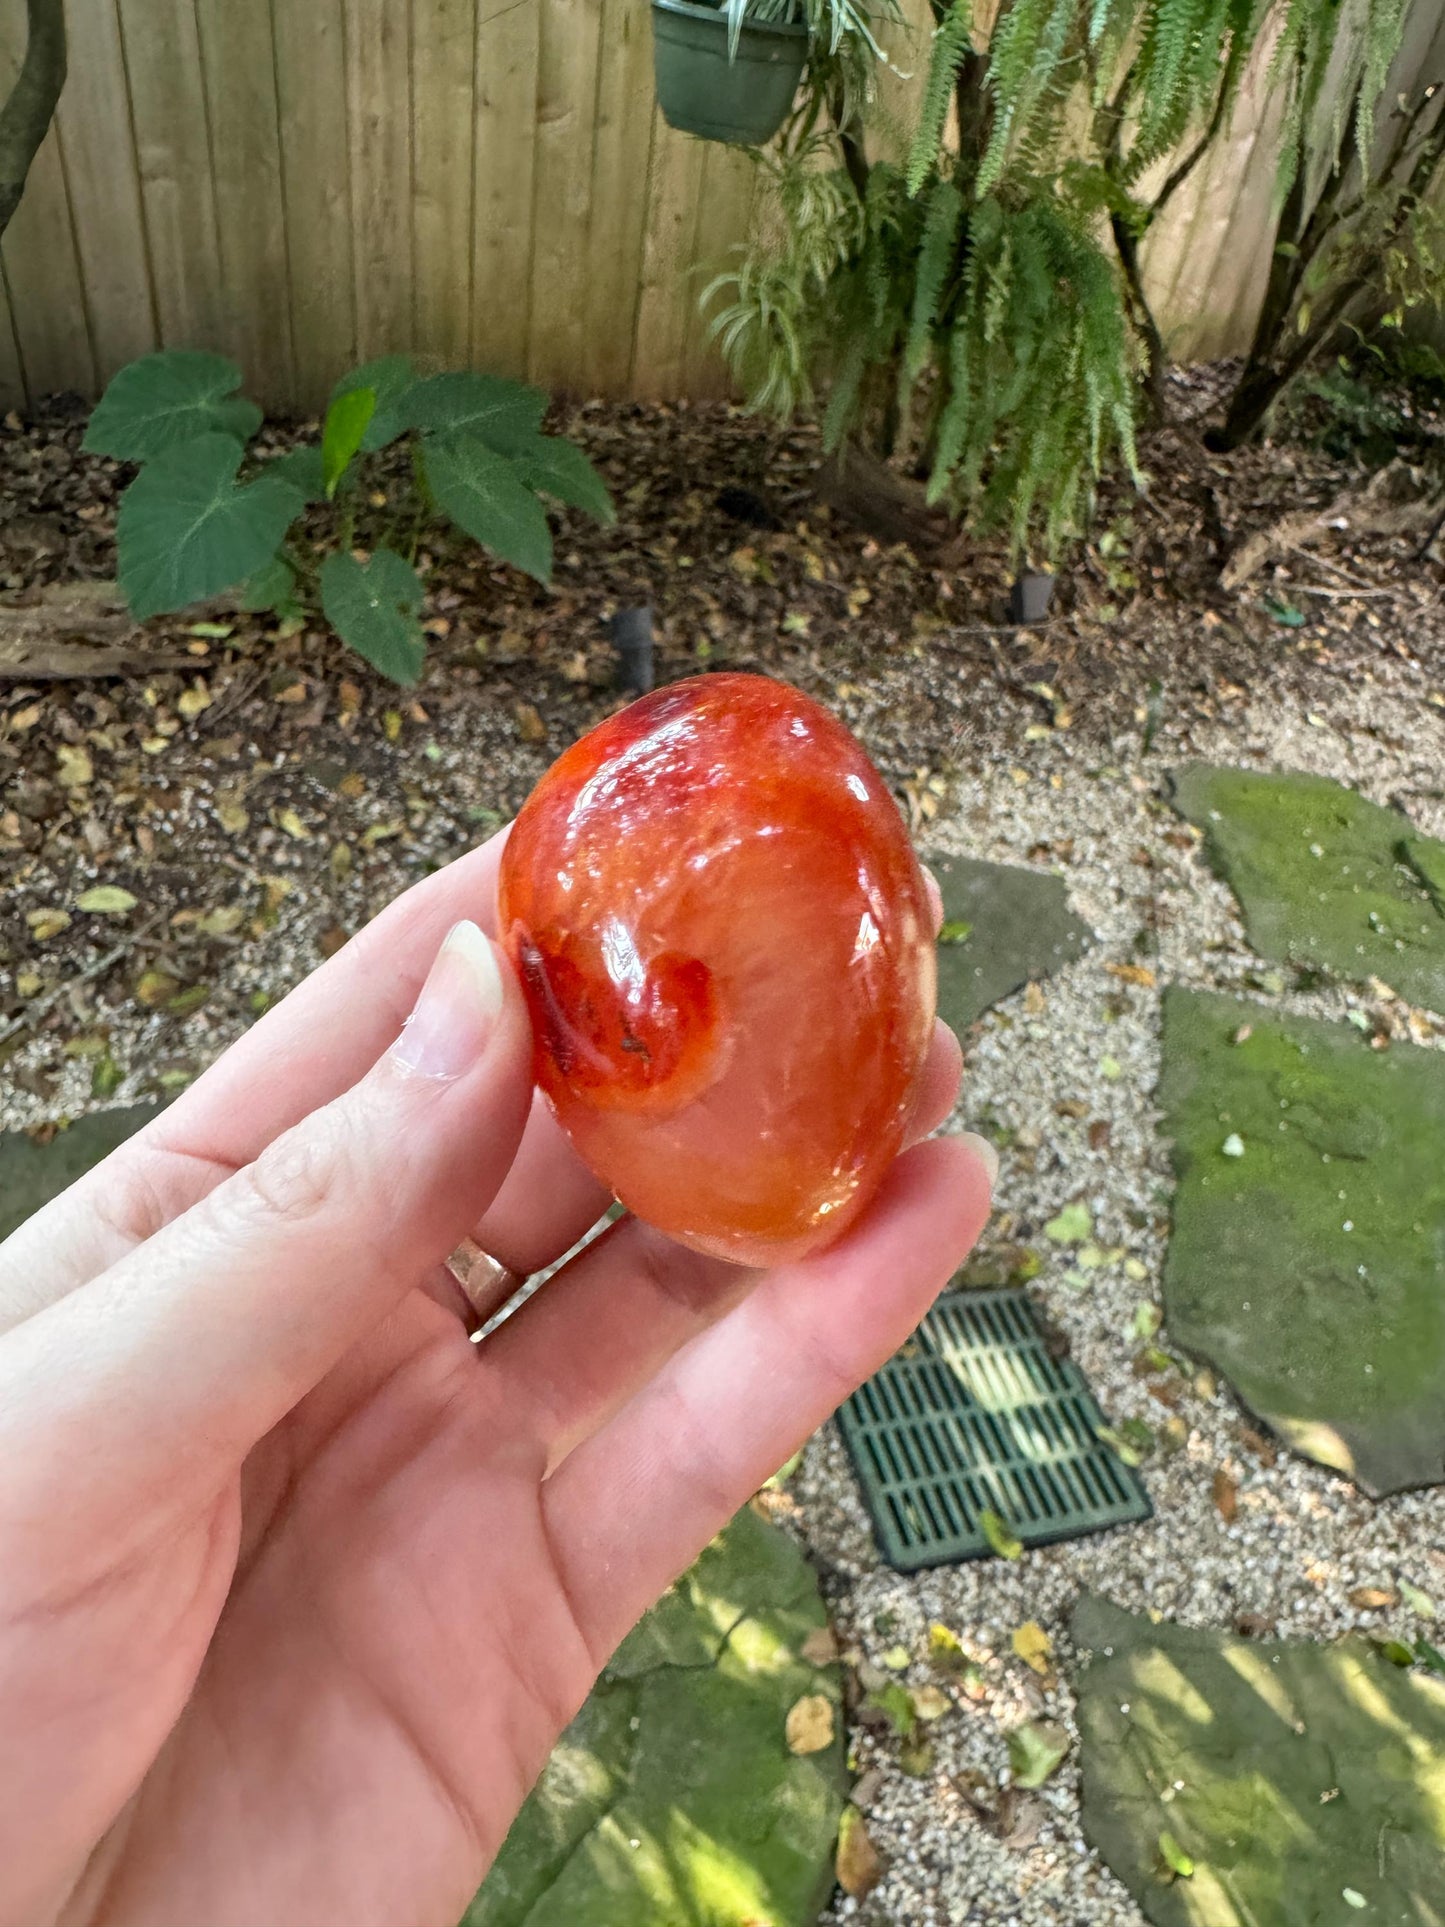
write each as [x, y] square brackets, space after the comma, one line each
[302, 469]
[506, 415]
[347, 420]
[187, 529]
[272, 587]
[164, 400]
[554, 466]
[373, 606]
[391, 379]
[479, 490]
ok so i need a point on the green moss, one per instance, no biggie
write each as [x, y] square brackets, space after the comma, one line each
[1287, 1771]
[672, 1800]
[1324, 878]
[1308, 1268]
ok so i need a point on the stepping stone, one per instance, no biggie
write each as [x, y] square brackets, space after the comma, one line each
[1309, 1230]
[32, 1173]
[673, 1796]
[1305, 1782]
[1324, 877]
[1019, 927]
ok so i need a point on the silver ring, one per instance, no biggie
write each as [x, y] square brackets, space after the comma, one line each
[485, 1282]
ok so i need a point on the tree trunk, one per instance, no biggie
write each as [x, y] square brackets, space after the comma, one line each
[1272, 366]
[1126, 243]
[27, 114]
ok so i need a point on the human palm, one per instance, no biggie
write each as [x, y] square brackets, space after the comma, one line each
[297, 1584]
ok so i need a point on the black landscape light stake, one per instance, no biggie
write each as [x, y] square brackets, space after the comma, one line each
[632, 639]
[1030, 597]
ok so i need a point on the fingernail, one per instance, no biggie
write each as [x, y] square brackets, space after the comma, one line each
[935, 895]
[457, 1010]
[985, 1153]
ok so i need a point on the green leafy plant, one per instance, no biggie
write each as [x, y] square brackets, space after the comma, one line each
[209, 513]
[971, 306]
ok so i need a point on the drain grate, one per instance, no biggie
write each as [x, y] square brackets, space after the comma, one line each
[975, 1415]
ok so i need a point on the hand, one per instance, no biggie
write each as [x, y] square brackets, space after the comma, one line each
[297, 1585]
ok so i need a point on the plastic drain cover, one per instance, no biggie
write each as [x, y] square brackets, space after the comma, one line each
[973, 1415]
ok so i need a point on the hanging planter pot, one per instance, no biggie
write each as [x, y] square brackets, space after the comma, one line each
[744, 99]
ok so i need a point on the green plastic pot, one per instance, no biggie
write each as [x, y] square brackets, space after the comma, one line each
[743, 101]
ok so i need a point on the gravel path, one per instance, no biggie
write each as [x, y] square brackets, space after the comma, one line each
[1301, 1540]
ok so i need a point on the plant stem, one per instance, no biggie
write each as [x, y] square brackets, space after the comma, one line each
[28, 111]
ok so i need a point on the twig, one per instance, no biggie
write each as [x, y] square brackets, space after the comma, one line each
[41, 1004]
[1327, 562]
[1339, 595]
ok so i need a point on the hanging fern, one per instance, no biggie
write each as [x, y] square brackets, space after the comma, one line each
[973, 313]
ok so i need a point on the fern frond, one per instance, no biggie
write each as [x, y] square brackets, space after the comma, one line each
[942, 221]
[952, 42]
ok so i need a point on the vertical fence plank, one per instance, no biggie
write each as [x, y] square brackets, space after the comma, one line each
[659, 351]
[43, 270]
[12, 375]
[502, 203]
[310, 63]
[621, 146]
[562, 190]
[729, 180]
[94, 121]
[172, 144]
[238, 64]
[444, 51]
[378, 80]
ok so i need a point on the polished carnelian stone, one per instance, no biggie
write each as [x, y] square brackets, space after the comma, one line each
[725, 942]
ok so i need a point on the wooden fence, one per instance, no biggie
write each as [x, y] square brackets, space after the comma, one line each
[304, 183]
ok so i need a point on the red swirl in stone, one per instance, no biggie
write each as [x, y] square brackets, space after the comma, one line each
[725, 942]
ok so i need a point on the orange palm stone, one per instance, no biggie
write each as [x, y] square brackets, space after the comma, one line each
[725, 942]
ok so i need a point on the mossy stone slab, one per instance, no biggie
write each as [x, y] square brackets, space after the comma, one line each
[1020, 927]
[672, 1800]
[1306, 1782]
[1308, 1255]
[32, 1172]
[1324, 877]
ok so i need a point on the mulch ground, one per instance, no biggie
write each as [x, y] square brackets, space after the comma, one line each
[246, 812]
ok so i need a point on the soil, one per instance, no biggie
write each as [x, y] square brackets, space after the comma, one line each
[261, 803]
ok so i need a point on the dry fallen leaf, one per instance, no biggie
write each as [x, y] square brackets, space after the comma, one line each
[810, 1724]
[155, 987]
[106, 900]
[931, 1702]
[291, 823]
[1373, 1599]
[73, 767]
[1128, 973]
[192, 701]
[530, 726]
[229, 813]
[859, 1867]
[220, 923]
[45, 924]
[1226, 1496]
[1034, 1647]
[820, 1648]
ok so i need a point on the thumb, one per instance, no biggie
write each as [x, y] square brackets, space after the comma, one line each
[195, 1344]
